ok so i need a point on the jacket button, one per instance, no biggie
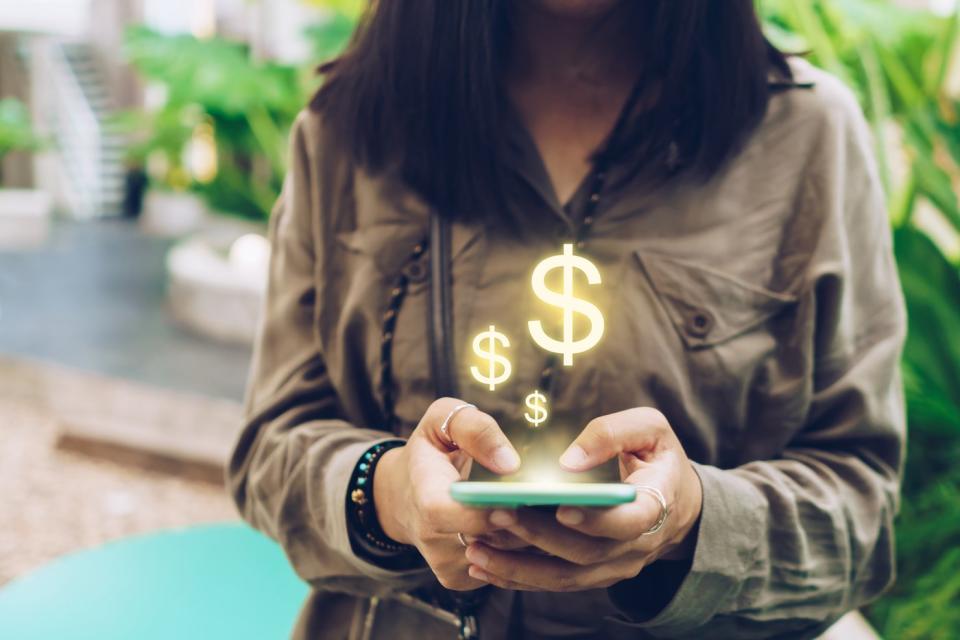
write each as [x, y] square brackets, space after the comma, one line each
[700, 323]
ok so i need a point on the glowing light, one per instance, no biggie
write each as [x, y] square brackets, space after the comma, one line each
[568, 303]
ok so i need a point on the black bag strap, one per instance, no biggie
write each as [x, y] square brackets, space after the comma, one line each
[440, 327]
[441, 308]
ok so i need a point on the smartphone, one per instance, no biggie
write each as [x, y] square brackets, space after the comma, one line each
[528, 494]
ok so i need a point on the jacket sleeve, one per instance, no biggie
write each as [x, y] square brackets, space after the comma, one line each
[786, 546]
[291, 465]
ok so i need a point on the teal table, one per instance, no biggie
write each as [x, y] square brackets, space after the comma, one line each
[204, 583]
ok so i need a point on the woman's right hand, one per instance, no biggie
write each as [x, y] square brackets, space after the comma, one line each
[411, 488]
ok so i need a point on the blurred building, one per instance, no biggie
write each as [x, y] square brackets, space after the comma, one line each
[64, 59]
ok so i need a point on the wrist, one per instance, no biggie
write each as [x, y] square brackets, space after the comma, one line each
[386, 494]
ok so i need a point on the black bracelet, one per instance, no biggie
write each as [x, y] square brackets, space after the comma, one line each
[367, 536]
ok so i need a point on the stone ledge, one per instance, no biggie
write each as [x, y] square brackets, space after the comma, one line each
[128, 422]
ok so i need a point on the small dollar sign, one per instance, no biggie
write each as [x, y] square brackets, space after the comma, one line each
[566, 301]
[491, 337]
[537, 403]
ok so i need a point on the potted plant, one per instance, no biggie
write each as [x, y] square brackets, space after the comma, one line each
[24, 213]
[221, 134]
[220, 137]
[223, 105]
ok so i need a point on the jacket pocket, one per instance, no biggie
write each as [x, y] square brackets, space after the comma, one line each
[389, 250]
[714, 352]
[708, 307]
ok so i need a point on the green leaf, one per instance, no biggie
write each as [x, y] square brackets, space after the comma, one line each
[16, 129]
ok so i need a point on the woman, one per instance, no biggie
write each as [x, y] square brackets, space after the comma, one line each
[747, 369]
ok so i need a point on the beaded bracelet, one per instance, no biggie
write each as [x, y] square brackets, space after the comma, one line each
[367, 536]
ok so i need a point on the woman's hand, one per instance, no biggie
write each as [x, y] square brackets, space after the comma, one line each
[411, 488]
[598, 547]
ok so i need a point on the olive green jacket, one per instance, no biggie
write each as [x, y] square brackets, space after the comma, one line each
[759, 311]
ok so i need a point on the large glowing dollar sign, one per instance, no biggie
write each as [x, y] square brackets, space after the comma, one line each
[490, 339]
[537, 403]
[568, 303]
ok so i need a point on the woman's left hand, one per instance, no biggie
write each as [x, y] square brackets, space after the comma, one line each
[592, 548]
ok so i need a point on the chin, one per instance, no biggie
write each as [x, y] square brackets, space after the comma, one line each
[575, 8]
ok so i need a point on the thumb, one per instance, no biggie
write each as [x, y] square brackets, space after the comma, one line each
[633, 431]
[476, 433]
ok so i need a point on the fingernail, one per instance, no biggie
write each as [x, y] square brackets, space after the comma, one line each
[574, 457]
[477, 574]
[570, 516]
[477, 556]
[506, 459]
[502, 518]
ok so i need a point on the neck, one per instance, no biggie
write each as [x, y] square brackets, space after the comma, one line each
[571, 52]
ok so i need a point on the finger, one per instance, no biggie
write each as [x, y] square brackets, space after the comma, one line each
[456, 577]
[476, 433]
[623, 522]
[542, 531]
[477, 573]
[634, 430]
[431, 474]
[536, 571]
[499, 540]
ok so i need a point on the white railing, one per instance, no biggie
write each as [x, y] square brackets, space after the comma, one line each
[73, 128]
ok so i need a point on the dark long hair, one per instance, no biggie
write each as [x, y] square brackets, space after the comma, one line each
[420, 88]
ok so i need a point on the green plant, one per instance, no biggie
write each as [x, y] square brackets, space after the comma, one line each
[330, 37]
[898, 61]
[249, 105]
[158, 141]
[215, 85]
[16, 130]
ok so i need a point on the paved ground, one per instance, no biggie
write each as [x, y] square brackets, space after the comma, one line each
[93, 298]
[55, 502]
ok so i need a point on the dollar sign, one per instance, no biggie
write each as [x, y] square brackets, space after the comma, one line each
[491, 337]
[566, 301]
[537, 403]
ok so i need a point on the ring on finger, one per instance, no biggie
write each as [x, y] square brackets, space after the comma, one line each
[664, 512]
[445, 425]
[462, 539]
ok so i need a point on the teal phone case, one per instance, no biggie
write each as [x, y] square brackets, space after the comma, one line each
[526, 494]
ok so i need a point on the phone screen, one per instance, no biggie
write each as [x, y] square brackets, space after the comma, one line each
[519, 494]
